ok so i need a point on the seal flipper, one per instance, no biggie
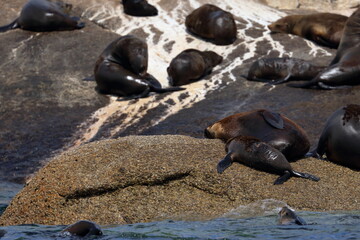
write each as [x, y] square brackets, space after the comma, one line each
[279, 81]
[304, 85]
[225, 163]
[90, 78]
[164, 90]
[274, 119]
[306, 175]
[14, 24]
[328, 87]
[283, 178]
[299, 221]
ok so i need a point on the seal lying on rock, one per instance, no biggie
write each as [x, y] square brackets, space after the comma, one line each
[340, 138]
[121, 69]
[280, 70]
[259, 155]
[287, 216]
[44, 15]
[191, 65]
[139, 8]
[213, 23]
[276, 130]
[323, 28]
[83, 228]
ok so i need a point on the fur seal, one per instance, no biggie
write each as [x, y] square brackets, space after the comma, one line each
[323, 28]
[261, 156]
[280, 70]
[212, 23]
[83, 228]
[44, 15]
[288, 216]
[191, 65]
[121, 69]
[273, 128]
[340, 138]
[139, 8]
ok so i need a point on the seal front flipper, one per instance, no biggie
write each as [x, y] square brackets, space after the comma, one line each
[279, 81]
[283, 178]
[225, 163]
[306, 175]
[274, 119]
[164, 90]
[14, 24]
[304, 85]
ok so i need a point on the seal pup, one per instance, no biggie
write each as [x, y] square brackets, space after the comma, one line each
[280, 70]
[340, 138]
[139, 8]
[261, 156]
[288, 216]
[323, 28]
[273, 128]
[212, 23]
[121, 69]
[83, 228]
[44, 15]
[191, 65]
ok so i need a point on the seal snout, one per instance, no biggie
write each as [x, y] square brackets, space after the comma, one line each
[208, 134]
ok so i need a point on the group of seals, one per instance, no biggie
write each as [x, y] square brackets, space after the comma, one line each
[139, 8]
[83, 228]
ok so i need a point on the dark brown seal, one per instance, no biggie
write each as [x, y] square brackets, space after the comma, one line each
[340, 138]
[139, 8]
[273, 128]
[44, 15]
[191, 65]
[212, 23]
[323, 28]
[83, 228]
[121, 70]
[280, 70]
[261, 156]
[288, 216]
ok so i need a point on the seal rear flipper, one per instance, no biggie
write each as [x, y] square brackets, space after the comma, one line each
[14, 24]
[283, 178]
[274, 119]
[225, 163]
[306, 175]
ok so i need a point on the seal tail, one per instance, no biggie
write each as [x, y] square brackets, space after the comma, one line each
[10, 26]
[164, 90]
[306, 175]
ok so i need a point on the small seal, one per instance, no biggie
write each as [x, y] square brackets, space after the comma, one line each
[261, 156]
[83, 228]
[273, 128]
[288, 216]
[43, 16]
[212, 23]
[323, 28]
[139, 8]
[121, 69]
[340, 138]
[191, 65]
[280, 70]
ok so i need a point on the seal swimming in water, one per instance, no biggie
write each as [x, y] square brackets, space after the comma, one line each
[191, 65]
[83, 228]
[340, 138]
[44, 15]
[121, 69]
[323, 28]
[288, 216]
[212, 23]
[261, 156]
[280, 70]
[273, 128]
[139, 8]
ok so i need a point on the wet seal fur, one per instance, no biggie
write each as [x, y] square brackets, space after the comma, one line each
[261, 156]
[191, 65]
[288, 216]
[280, 70]
[83, 228]
[212, 23]
[121, 70]
[340, 138]
[44, 15]
[139, 8]
[272, 128]
[323, 28]
[344, 70]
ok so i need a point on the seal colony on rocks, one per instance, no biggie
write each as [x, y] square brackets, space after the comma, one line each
[212, 23]
[191, 65]
[44, 15]
[139, 8]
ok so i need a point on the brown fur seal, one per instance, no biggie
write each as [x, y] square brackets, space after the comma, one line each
[122, 70]
[191, 65]
[212, 23]
[323, 28]
[83, 228]
[287, 216]
[261, 156]
[280, 70]
[340, 138]
[275, 129]
[139, 8]
[44, 15]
